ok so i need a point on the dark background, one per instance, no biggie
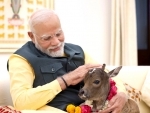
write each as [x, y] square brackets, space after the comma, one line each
[143, 31]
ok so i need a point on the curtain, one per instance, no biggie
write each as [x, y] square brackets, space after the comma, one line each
[123, 33]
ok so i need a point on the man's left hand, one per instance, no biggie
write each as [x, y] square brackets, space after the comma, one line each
[116, 104]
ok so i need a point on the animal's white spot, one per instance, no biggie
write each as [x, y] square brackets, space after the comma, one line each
[92, 70]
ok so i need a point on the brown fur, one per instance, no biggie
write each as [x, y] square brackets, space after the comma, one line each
[96, 88]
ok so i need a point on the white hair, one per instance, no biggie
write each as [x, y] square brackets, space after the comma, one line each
[39, 16]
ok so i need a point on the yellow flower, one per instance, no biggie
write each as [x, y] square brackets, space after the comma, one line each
[77, 109]
[70, 108]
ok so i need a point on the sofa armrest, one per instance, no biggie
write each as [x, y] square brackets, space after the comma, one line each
[134, 76]
[5, 97]
[146, 90]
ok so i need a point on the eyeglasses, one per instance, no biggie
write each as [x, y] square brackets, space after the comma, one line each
[49, 37]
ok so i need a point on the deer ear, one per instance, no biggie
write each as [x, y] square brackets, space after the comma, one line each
[103, 67]
[114, 72]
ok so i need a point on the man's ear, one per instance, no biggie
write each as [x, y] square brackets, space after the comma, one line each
[30, 34]
[115, 71]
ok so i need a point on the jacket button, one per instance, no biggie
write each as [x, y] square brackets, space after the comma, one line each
[53, 69]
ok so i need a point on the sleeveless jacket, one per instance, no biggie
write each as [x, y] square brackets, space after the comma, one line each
[47, 69]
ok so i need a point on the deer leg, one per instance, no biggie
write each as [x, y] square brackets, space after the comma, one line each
[130, 107]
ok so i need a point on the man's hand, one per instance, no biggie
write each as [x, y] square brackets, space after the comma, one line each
[76, 76]
[116, 104]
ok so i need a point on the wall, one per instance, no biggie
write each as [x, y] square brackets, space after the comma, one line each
[85, 22]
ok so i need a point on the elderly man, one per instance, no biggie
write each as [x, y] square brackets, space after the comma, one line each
[46, 72]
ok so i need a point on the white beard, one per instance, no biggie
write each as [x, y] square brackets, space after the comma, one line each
[58, 53]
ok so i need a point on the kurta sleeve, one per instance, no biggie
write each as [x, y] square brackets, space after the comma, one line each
[23, 94]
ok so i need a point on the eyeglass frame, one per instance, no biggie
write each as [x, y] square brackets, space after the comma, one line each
[51, 36]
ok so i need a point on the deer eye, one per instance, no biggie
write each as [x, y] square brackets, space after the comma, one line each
[96, 82]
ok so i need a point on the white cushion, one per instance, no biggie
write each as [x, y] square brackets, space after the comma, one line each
[5, 97]
[146, 90]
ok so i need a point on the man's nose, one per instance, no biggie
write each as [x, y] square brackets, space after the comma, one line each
[55, 41]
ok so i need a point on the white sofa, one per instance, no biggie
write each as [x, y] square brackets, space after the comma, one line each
[133, 75]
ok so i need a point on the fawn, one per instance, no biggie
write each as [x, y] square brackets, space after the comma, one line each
[96, 88]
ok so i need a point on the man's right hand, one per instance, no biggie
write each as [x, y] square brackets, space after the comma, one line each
[76, 76]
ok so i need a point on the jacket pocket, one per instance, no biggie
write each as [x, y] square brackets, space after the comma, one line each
[51, 68]
[50, 72]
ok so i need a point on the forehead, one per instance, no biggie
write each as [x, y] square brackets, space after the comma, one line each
[45, 22]
[96, 74]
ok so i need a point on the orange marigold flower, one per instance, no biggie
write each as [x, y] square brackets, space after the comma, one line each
[70, 108]
[78, 109]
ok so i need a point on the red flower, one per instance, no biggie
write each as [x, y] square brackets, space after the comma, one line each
[85, 109]
[113, 89]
